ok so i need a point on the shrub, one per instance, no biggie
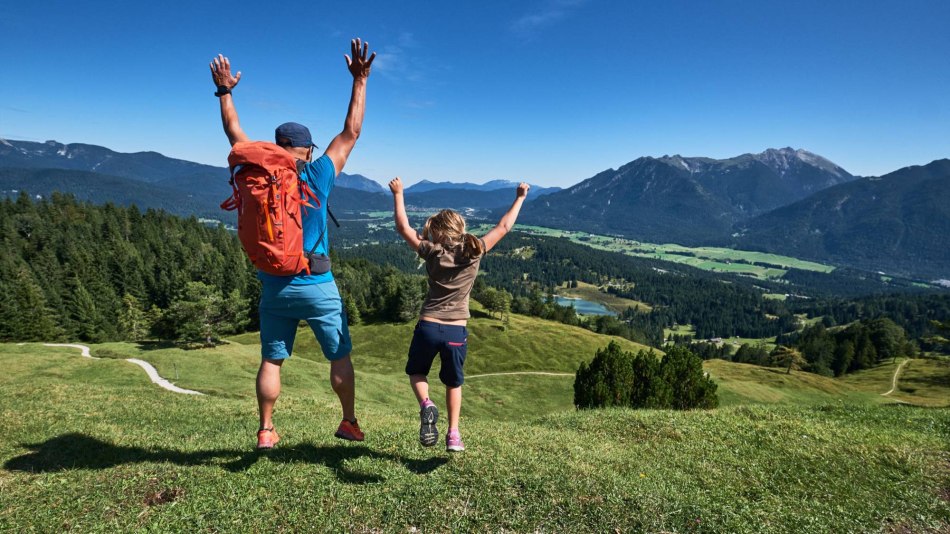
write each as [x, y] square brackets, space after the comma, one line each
[619, 378]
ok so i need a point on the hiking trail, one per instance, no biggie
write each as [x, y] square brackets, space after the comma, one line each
[894, 378]
[147, 367]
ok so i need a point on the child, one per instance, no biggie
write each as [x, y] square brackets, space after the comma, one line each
[452, 258]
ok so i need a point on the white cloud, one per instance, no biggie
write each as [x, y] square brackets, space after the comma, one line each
[547, 14]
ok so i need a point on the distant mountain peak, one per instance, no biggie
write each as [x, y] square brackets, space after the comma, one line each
[781, 159]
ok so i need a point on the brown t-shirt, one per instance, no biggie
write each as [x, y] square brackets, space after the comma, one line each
[451, 277]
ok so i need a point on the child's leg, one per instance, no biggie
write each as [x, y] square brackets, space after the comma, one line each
[453, 354]
[420, 386]
[422, 350]
[453, 401]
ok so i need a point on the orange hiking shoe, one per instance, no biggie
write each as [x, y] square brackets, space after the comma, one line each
[349, 431]
[267, 438]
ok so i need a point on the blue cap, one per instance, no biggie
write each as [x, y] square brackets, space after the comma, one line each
[293, 134]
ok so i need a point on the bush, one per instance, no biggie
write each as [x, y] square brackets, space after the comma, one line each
[619, 378]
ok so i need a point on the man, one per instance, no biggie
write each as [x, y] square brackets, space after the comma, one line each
[285, 300]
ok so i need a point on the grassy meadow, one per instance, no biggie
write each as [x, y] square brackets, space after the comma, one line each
[94, 447]
[717, 259]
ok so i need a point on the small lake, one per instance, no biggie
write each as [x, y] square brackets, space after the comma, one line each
[584, 307]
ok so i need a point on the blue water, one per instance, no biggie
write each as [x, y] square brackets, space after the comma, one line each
[584, 307]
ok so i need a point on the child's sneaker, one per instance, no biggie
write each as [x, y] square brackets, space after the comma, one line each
[349, 431]
[267, 438]
[428, 416]
[453, 442]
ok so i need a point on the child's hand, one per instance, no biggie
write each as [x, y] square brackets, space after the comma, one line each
[522, 190]
[395, 185]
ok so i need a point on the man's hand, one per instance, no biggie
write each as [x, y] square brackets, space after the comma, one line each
[221, 73]
[395, 185]
[359, 66]
[522, 191]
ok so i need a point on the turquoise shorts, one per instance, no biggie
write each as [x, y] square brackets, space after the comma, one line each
[284, 306]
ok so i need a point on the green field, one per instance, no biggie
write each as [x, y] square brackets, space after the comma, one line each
[922, 381]
[714, 259]
[93, 446]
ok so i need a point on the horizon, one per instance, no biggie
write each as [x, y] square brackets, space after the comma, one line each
[485, 182]
[529, 85]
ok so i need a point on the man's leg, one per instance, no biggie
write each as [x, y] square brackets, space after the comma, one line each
[342, 381]
[277, 343]
[268, 389]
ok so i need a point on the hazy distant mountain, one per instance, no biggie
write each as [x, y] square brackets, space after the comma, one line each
[899, 223]
[142, 166]
[494, 185]
[685, 200]
[198, 201]
[359, 182]
[460, 198]
[101, 188]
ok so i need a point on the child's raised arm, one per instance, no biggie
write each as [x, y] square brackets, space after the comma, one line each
[508, 219]
[399, 214]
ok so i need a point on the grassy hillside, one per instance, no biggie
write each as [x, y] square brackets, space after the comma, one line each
[741, 383]
[529, 344]
[922, 381]
[92, 446]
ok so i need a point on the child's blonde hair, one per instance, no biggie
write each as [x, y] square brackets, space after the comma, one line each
[448, 229]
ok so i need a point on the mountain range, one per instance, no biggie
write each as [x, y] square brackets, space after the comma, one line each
[426, 186]
[149, 167]
[784, 200]
[690, 201]
[174, 178]
[899, 223]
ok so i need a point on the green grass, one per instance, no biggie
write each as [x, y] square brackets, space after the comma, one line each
[921, 382]
[93, 446]
[925, 382]
[741, 384]
[874, 380]
[103, 450]
[716, 259]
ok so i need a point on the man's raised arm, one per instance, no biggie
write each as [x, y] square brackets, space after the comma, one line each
[341, 146]
[225, 82]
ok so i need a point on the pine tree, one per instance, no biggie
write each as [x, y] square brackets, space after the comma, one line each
[81, 312]
[691, 388]
[33, 319]
[195, 314]
[133, 322]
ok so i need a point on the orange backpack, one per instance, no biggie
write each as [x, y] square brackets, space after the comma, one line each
[268, 196]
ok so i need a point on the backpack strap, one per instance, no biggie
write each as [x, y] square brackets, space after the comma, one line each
[301, 166]
[234, 201]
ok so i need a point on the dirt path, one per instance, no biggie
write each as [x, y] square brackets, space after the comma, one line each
[540, 373]
[149, 369]
[894, 379]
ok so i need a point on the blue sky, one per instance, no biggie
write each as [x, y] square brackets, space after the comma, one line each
[549, 91]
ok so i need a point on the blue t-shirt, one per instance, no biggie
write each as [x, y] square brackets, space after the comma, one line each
[319, 177]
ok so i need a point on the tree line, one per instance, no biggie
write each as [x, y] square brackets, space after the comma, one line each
[623, 379]
[71, 270]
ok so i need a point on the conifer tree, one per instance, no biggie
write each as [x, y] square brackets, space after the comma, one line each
[33, 320]
[133, 321]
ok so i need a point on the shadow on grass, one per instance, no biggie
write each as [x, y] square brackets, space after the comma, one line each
[156, 345]
[79, 451]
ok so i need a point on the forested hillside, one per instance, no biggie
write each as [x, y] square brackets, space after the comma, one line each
[897, 223]
[71, 270]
